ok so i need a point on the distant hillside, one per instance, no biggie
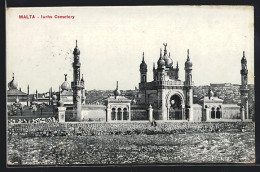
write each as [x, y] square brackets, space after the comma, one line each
[228, 92]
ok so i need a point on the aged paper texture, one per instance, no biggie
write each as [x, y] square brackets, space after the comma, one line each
[130, 85]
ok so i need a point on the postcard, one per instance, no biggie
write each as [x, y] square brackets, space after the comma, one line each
[130, 85]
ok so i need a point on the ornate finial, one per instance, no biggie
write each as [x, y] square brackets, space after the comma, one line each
[243, 53]
[169, 54]
[76, 43]
[13, 76]
[188, 55]
[28, 87]
[165, 51]
[65, 77]
[143, 56]
[160, 52]
[117, 85]
[177, 65]
[153, 65]
[165, 45]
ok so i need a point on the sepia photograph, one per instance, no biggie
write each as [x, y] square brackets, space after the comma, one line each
[130, 85]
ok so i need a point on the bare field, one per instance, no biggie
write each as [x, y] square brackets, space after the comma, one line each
[222, 147]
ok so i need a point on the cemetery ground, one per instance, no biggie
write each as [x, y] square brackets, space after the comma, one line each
[229, 146]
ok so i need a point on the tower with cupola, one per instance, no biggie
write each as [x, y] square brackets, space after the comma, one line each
[143, 71]
[188, 86]
[77, 85]
[244, 89]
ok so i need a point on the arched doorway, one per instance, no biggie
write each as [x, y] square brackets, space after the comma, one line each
[175, 111]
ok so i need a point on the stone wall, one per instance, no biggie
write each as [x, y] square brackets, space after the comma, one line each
[93, 112]
[197, 113]
[230, 112]
[139, 114]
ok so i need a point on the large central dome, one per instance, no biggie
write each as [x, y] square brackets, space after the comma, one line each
[167, 58]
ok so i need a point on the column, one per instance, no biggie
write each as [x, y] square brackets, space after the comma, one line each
[191, 114]
[207, 114]
[61, 114]
[129, 114]
[108, 115]
[122, 114]
[183, 114]
[150, 112]
[164, 107]
[116, 114]
[242, 113]
[246, 110]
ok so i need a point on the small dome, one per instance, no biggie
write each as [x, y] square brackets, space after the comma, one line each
[168, 60]
[143, 65]
[188, 62]
[65, 85]
[161, 62]
[116, 92]
[54, 97]
[243, 60]
[60, 103]
[210, 93]
[76, 49]
[13, 84]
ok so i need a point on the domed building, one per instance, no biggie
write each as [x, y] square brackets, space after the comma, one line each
[170, 97]
[118, 107]
[66, 93]
[14, 93]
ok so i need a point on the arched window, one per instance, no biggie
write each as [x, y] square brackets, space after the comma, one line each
[113, 114]
[218, 113]
[119, 114]
[125, 114]
[213, 113]
[144, 78]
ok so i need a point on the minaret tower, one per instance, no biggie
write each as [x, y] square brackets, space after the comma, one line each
[143, 71]
[77, 85]
[244, 89]
[188, 86]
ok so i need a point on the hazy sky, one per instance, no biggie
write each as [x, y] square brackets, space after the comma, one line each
[112, 40]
